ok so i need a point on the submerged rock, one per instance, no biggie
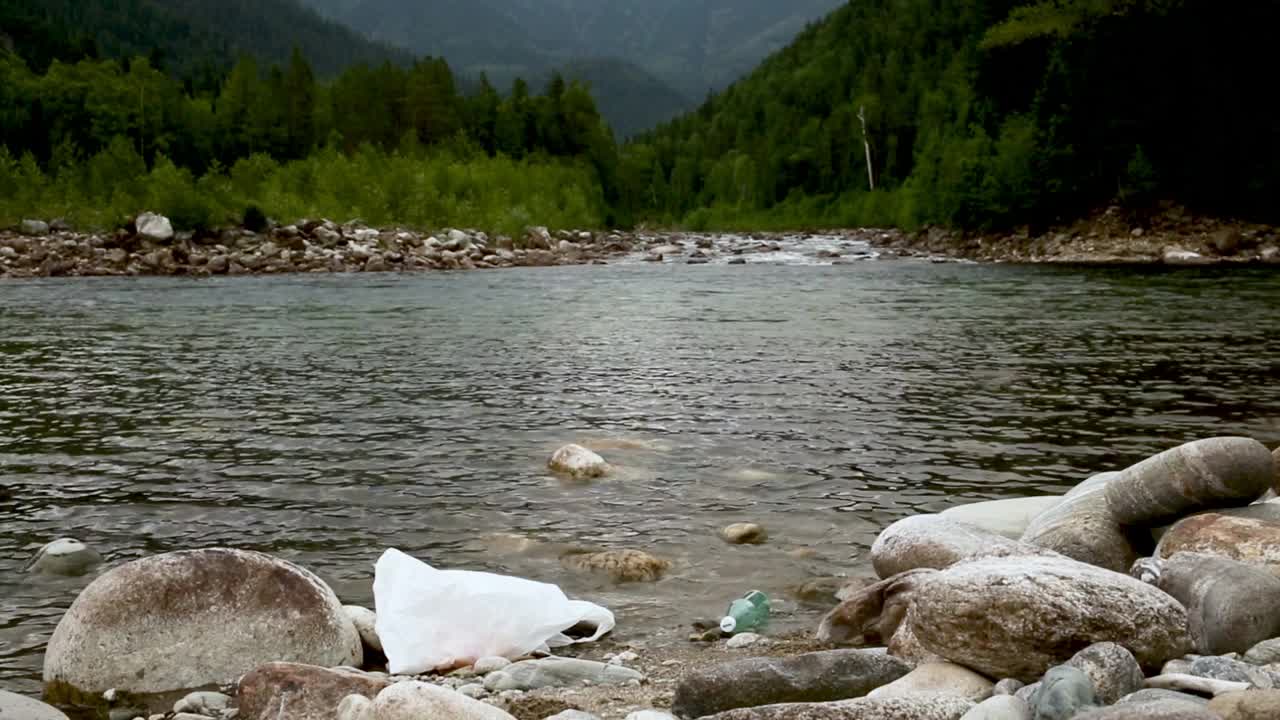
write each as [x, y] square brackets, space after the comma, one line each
[1009, 518]
[1017, 617]
[289, 691]
[809, 678]
[190, 619]
[1204, 474]
[744, 533]
[619, 565]
[1249, 540]
[578, 462]
[65, 556]
[937, 542]
[1222, 598]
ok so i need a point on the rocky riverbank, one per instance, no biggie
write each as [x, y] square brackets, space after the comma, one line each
[1143, 594]
[1172, 236]
[149, 246]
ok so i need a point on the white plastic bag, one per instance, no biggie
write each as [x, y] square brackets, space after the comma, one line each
[431, 619]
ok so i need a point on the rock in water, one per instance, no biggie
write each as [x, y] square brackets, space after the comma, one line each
[578, 462]
[1063, 693]
[65, 556]
[1249, 540]
[809, 678]
[744, 533]
[288, 691]
[1222, 598]
[619, 565]
[1000, 707]
[20, 707]
[1204, 474]
[185, 620]
[916, 707]
[1083, 528]
[154, 227]
[1017, 617]
[1111, 668]
[1009, 518]
[941, 678]
[420, 701]
[934, 541]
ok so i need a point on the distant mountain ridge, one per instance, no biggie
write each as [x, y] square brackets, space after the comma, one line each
[694, 46]
[187, 36]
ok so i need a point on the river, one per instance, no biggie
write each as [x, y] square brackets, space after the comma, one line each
[326, 418]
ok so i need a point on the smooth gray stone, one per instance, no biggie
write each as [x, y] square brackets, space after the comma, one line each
[1152, 710]
[1000, 707]
[1147, 695]
[815, 677]
[1200, 475]
[64, 556]
[1063, 693]
[20, 707]
[1083, 528]
[559, 672]
[1221, 596]
[1221, 668]
[918, 707]
[1008, 686]
[1264, 653]
[938, 542]
[1112, 669]
[1009, 518]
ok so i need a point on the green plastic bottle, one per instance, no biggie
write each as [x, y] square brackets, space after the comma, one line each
[746, 614]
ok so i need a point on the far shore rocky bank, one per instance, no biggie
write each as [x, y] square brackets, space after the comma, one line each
[149, 245]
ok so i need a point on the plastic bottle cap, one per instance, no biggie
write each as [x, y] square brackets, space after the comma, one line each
[728, 624]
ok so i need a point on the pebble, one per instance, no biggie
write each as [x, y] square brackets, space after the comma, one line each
[573, 715]
[623, 657]
[743, 640]
[202, 703]
[650, 715]
[744, 533]
[473, 690]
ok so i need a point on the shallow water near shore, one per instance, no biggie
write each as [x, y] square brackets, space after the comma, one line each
[326, 418]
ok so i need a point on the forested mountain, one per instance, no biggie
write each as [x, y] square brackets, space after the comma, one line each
[191, 38]
[692, 45]
[982, 113]
[630, 99]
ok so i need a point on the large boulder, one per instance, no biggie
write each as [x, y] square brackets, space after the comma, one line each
[938, 542]
[156, 228]
[1227, 601]
[808, 678]
[1083, 528]
[1250, 540]
[1009, 517]
[420, 701]
[20, 707]
[188, 619]
[1017, 617]
[915, 707]
[289, 691]
[1205, 474]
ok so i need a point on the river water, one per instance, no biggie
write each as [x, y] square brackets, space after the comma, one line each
[327, 418]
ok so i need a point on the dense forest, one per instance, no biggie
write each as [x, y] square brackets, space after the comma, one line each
[983, 113]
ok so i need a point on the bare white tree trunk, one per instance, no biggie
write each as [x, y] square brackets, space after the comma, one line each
[866, 144]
